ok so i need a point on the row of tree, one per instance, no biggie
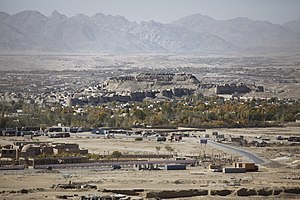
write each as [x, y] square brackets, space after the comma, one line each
[193, 111]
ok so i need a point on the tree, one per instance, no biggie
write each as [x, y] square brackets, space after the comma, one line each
[116, 154]
[169, 148]
[157, 149]
[139, 114]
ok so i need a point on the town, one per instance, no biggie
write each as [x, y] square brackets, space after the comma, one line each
[140, 151]
[215, 127]
[227, 138]
[134, 100]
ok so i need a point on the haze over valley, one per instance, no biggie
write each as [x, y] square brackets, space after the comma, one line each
[31, 30]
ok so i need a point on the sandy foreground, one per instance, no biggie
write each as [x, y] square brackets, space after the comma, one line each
[277, 173]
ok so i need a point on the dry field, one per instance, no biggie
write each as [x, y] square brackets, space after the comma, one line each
[276, 175]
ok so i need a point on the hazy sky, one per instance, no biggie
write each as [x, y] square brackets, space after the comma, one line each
[275, 11]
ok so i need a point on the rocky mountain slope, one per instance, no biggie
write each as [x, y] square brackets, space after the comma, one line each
[293, 26]
[243, 32]
[31, 30]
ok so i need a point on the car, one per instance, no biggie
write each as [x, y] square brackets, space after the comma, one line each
[116, 166]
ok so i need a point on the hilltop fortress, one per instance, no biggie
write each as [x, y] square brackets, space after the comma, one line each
[146, 86]
[143, 86]
[155, 82]
[137, 88]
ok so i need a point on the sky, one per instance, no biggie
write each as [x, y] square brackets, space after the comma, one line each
[165, 11]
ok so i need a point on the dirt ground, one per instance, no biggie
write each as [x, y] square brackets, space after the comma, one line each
[39, 182]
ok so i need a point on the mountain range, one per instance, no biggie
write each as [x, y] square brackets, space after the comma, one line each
[31, 30]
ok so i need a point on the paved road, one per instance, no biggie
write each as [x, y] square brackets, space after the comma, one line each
[244, 153]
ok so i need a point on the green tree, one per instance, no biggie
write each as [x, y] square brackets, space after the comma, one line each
[139, 114]
[169, 148]
[116, 154]
[157, 149]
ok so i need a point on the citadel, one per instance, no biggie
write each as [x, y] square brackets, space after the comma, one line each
[131, 88]
[152, 86]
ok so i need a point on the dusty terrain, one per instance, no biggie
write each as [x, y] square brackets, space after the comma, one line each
[278, 73]
[273, 178]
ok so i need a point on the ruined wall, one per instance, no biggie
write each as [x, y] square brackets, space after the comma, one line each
[231, 89]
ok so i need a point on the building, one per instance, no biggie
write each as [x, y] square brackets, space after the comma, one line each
[70, 148]
[9, 153]
[101, 131]
[30, 150]
[232, 89]
[34, 149]
[239, 140]
[250, 167]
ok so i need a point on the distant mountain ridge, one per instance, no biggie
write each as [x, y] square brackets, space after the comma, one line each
[31, 30]
[293, 26]
[242, 32]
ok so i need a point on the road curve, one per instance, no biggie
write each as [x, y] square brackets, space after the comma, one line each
[244, 153]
